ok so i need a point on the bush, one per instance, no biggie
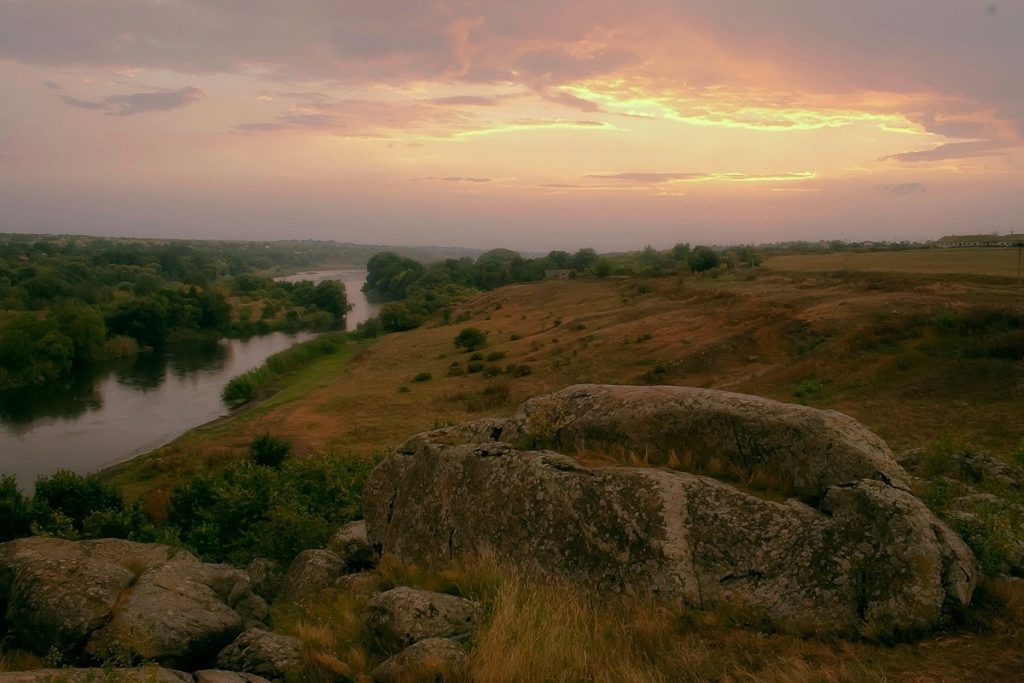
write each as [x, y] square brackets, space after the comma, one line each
[456, 371]
[491, 371]
[702, 259]
[15, 512]
[423, 377]
[269, 451]
[72, 506]
[495, 355]
[246, 511]
[475, 366]
[514, 370]
[477, 356]
[470, 339]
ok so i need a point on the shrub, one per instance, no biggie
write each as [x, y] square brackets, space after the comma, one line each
[514, 370]
[702, 259]
[15, 512]
[470, 339]
[514, 337]
[495, 355]
[423, 377]
[475, 366]
[477, 356]
[456, 371]
[72, 506]
[269, 451]
[246, 511]
[491, 371]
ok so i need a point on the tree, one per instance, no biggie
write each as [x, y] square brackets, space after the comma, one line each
[330, 296]
[583, 260]
[470, 339]
[702, 259]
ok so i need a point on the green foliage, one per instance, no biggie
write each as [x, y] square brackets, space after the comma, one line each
[495, 356]
[247, 511]
[702, 259]
[474, 366]
[15, 511]
[423, 377]
[268, 451]
[809, 390]
[33, 349]
[73, 506]
[471, 339]
[396, 316]
[263, 381]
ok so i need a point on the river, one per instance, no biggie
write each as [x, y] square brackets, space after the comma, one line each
[112, 413]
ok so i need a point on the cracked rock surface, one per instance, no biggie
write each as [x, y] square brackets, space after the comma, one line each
[835, 542]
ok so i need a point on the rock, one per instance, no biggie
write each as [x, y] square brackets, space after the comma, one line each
[403, 616]
[265, 576]
[311, 572]
[994, 522]
[428, 660]
[112, 597]
[350, 543]
[218, 676]
[58, 592]
[704, 428]
[360, 583]
[149, 674]
[264, 653]
[856, 552]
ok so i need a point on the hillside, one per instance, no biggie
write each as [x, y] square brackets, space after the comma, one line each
[914, 357]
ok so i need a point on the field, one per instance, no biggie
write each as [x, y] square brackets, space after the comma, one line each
[995, 261]
[919, 357]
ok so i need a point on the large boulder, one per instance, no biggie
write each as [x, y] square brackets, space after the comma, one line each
[143, 675]
[350, 543]
[112, 598]
[311, 573]
[263, 653]
[403, 616]
[433, 659]
[851, 550]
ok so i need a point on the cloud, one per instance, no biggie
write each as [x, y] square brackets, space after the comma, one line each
[904, 188]
[139, 103]
[468, 101]
[955, 150]
[659, 178]
[456, 179]
[368, 118]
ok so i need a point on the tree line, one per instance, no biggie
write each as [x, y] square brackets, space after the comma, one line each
[70, 302]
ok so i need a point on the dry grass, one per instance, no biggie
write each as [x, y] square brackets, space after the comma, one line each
[995, 261]
[18, 660]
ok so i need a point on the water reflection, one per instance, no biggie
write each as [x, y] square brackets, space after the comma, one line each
[106, 414]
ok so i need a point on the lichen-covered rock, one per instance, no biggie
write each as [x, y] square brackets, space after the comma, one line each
[432, 659]
[179, 613]
[265, 576]
[149, 674]
[812, 449]
[112, 597]
[263, 653]
[311, 573]
[219, 676]
[350, 543]
[403, 616]
[859, 552]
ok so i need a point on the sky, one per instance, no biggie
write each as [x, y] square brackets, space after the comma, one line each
[522, 123]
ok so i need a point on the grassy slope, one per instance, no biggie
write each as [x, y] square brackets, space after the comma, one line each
[783, 334]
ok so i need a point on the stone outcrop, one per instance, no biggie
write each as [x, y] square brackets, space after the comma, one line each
[350, 543]
[264, 653]
[403, 616]
[850, 549]
[94, 599]
[150, 674]
[310, 573]
[433, 659]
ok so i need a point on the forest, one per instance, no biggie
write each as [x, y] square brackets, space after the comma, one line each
[68, 302]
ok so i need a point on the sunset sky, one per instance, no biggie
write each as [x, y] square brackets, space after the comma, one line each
[528, 124]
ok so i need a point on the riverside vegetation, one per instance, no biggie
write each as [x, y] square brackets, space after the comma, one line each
[931, 363]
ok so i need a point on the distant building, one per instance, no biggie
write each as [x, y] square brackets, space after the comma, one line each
[993, 240]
